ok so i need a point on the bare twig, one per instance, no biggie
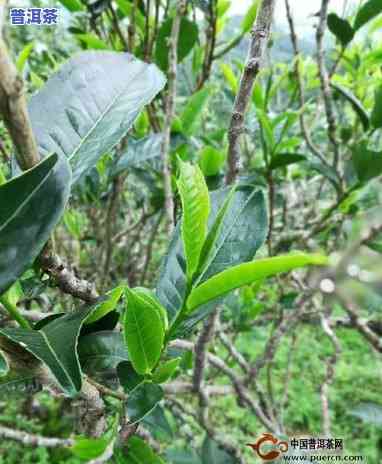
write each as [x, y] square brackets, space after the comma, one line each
[325, 82]
[210, 44]
[300, 86]
[66, 279]
[30, 439]
[13, 109]
[331, 362]
[170, 112]
[260, 36]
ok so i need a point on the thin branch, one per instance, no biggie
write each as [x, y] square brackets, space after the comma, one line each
[325, 81]
[170, 112]
[30, 439]
[300, 86]
[331, 362]
[260, 36]
[13, 109]
[66, 279]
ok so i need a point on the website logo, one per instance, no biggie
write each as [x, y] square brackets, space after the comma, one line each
[263, 444]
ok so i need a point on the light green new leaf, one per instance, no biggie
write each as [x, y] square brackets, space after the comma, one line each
[368, 11]
[376, 115]
[126, 8]
[250, 17]
[211, 160]
[107, 305]
[142, 400]
[166, 370]
[23, 57]
[151, 300]
[92, 448]
[143, 331]
[191, 113]
[91, 41]
[222, 7]
[89, 448]
[31, 205]
[230, 77]
[56, 346]
[85, 109]
[196, 209]
[247, 273]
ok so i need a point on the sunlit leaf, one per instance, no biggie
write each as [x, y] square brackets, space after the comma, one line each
[143, 331]
[196, 208]
[247, 273]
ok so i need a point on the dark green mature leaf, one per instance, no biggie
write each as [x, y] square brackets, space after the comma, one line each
[142, 400]
[4, 367]
[56, 346]
[212, 454]
[31, 205]
[138, 152]
[340, 28]
[139, 452]
[247, 273]
[102, 351]
[90, 103]
[128, 377]
[367, 163]
[376, 115]
[376, 243]
[196, 208]
[368, 11]
[188, 36]
[326, 170]
[178, 456]
[18, 382]
[143, 330]
[158, 423]
[242, 231]
[282, 160]
[172, 285]
[355, 103]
